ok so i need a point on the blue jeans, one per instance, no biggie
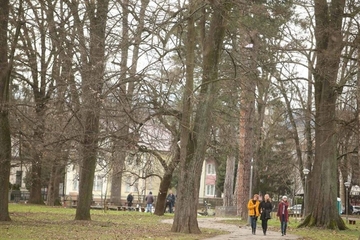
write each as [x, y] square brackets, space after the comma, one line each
[253, 220]
[283, 225]
[148, 207]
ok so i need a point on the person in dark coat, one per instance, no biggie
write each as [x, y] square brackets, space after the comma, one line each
[170, 201]
[265, 209]
[130, 199]
[283, 214]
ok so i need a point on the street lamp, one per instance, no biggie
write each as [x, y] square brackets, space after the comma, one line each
[305, 172]
[251, 177]
[347, 185]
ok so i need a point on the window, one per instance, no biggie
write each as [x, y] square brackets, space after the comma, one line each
[210, 190]
[128, 184]
[18, 178]
[210, 169]
[98, 181]
[76, 182]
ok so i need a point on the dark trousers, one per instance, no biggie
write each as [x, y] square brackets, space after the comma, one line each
[264, 225]
[170, 206]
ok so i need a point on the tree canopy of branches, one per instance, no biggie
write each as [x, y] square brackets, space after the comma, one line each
[110, 83]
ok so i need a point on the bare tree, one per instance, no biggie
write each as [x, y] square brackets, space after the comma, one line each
[92, 73]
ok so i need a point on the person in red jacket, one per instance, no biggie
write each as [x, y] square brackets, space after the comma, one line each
[283, 214]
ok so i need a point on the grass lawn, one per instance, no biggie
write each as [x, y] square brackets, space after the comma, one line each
[353, 233]
[43, 222]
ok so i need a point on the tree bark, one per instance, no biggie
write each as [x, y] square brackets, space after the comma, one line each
[93, 79]
[193, 150]
[323, 179]
[163, 189]
[246, 129]
[5, 139]
[229, 182]
[6, 64]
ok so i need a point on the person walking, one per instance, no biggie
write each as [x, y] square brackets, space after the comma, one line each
[130, 199]
[283, 214]
[149, 202]
[170, 201]
[265, 209]
[254, 211]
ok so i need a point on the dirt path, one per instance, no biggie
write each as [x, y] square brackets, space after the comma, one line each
[236, 232]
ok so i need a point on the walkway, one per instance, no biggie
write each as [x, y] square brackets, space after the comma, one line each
[236, 232]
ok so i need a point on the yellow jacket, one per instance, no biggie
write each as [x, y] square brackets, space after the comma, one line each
[253, 208]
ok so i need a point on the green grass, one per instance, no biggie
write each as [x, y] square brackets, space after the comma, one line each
[43, 222]
[352, 233]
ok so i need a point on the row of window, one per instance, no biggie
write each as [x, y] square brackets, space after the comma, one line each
[133, 186]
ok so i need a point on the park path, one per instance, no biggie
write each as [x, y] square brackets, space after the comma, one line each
[236, 232]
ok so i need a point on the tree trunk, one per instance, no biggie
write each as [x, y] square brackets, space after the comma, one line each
[166, 180]
[246, 129]
[5, 135]
[116, 175]
[193, 150]
[92, 76]
[163, 189]
[323, 179]
[37, 161]
[127, 89]
[5, 139]
[119, 145]
[229, 182]
[357, 161]
[57, 173]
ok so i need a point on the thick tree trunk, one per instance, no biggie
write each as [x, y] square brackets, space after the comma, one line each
[38, 148]
[246, 129]
[37, 161]
[119, 145]
[163, 189]
[192, 151]
[5, 140]
[88, 165]
[56, 177]
[35, 189]
[116, 175]
[5, 150]
[323, 179]
[229, 182]
[92, 76]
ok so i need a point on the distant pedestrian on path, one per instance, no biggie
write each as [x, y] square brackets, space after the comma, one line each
[283, 214]
[254, 211]
[265, 209]
[130, 199]
[149, 202]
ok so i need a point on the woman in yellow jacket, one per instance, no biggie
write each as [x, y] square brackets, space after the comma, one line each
[254, 211]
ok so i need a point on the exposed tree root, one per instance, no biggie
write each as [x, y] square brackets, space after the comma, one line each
[335, 224]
